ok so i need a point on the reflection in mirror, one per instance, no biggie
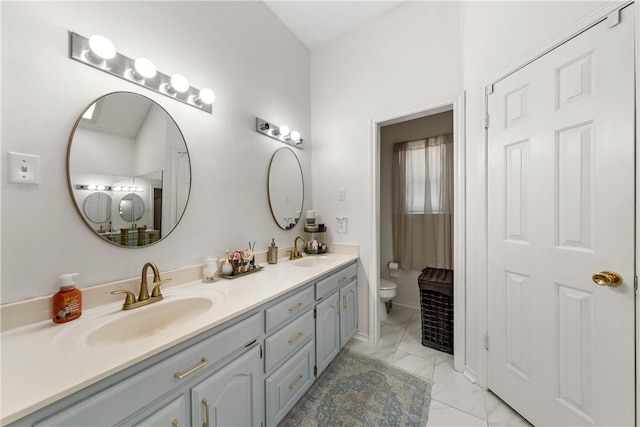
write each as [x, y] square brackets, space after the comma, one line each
[131, 207]
[286, 188]
[130, 147]
[97, 207]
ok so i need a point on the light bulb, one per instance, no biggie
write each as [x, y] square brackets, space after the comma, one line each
[179, 83]
[139, 188]
[206, 96]
[101, 187]
[144, 68]
[92, 187]
[295, 135]
[284, 130]
[117, 188]
[101, 48]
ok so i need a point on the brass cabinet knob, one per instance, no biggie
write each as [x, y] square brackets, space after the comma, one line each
[607, 278]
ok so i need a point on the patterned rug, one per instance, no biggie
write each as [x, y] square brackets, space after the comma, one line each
[356, 390]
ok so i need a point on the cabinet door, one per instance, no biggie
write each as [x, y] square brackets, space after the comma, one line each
[348, 312]
[232, 396]
[173, 414]
[327, 331]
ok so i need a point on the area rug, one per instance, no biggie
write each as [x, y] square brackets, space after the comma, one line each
[355, 390]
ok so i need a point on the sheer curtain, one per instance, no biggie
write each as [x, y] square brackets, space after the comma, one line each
[423, 203]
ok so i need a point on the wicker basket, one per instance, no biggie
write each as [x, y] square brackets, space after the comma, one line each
[436, 302]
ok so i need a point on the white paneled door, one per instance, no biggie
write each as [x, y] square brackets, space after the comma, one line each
[561, 210]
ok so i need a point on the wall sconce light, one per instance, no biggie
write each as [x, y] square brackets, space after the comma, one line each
[100, 53]
[280, 133]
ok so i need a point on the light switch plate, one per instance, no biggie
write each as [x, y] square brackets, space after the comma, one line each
[341, 195]
[23, 168]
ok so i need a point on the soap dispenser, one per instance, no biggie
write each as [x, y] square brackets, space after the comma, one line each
[272, 253]
[66, 304]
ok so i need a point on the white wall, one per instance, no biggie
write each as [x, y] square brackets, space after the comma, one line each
[408, 292]
[495, 35]
[239, 49]
[405, 60]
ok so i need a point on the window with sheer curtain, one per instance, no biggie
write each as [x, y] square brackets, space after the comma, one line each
[423, 203]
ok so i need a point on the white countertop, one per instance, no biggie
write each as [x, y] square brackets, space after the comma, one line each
[44, 362]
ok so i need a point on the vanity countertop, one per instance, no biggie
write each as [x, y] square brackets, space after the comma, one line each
[44, 362]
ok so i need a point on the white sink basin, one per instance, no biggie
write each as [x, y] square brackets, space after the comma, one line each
[148, 321]
[315, 261]
[115, 326]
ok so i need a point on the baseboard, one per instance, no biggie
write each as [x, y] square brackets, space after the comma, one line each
[361, 337]
[407, 305]
[470, 375]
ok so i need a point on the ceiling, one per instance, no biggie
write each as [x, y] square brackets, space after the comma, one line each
[317, 22]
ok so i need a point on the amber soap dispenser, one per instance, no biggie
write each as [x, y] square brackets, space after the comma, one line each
[66, 304]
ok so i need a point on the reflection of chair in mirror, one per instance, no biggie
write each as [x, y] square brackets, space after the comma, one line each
[124, 237]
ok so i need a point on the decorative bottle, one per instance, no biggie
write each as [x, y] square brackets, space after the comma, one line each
[227, 268]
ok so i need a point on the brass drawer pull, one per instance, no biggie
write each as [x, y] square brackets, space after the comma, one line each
[343, 279]
[297, 383]
[294, 340]
[180, 376]
[175, 423]
[205, 402]
[296, 307]
[344, 301]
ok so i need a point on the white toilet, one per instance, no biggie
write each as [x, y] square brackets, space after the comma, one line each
[387, 292]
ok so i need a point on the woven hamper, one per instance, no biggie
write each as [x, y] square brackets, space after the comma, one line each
[436, 302]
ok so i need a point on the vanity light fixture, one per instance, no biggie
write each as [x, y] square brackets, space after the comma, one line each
[143, 69]
[100, 53]
[93, 187]
[280, 133]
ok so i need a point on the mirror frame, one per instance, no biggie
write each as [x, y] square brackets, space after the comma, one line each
[72, 191]
[273, 214]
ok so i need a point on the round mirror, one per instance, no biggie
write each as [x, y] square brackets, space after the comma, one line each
[286, 188]
[97, 207]
[127, 152]
[131, 207]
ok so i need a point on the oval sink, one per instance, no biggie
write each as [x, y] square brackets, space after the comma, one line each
[147, 321]
[316, 261]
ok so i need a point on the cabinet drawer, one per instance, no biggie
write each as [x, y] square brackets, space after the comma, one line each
[112, 405]
[327, 285]
[288, 383]
[289, 308]
[288, 339]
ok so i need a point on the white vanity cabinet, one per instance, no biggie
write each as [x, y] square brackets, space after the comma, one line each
[336, 314]
[289, 352]
[140, 397]
[232, 396]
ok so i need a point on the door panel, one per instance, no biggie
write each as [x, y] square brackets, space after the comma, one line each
[561, 176]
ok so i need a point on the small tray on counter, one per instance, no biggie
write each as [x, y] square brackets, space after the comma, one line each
[236, 275]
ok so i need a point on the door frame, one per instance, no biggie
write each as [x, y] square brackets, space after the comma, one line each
[457, 105]
[485, 88]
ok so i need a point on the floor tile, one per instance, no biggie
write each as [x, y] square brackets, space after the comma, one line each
[419, 366]
[455, 390]
[455, 401]
[499, 414]
[441, 414]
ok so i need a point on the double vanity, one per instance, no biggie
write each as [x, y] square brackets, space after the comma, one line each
[232, 352]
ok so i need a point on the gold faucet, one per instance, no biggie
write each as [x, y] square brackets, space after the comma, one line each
[296, 253]
[144, 298]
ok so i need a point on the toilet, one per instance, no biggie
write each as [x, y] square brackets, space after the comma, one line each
[387, 292]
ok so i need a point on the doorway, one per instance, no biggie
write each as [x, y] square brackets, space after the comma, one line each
[380, 257]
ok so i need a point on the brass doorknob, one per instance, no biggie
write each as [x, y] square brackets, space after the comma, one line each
[607, 278]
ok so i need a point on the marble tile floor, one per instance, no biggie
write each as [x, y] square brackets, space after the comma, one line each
[455, 401]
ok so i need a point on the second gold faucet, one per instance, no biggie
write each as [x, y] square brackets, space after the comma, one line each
[143, 297]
